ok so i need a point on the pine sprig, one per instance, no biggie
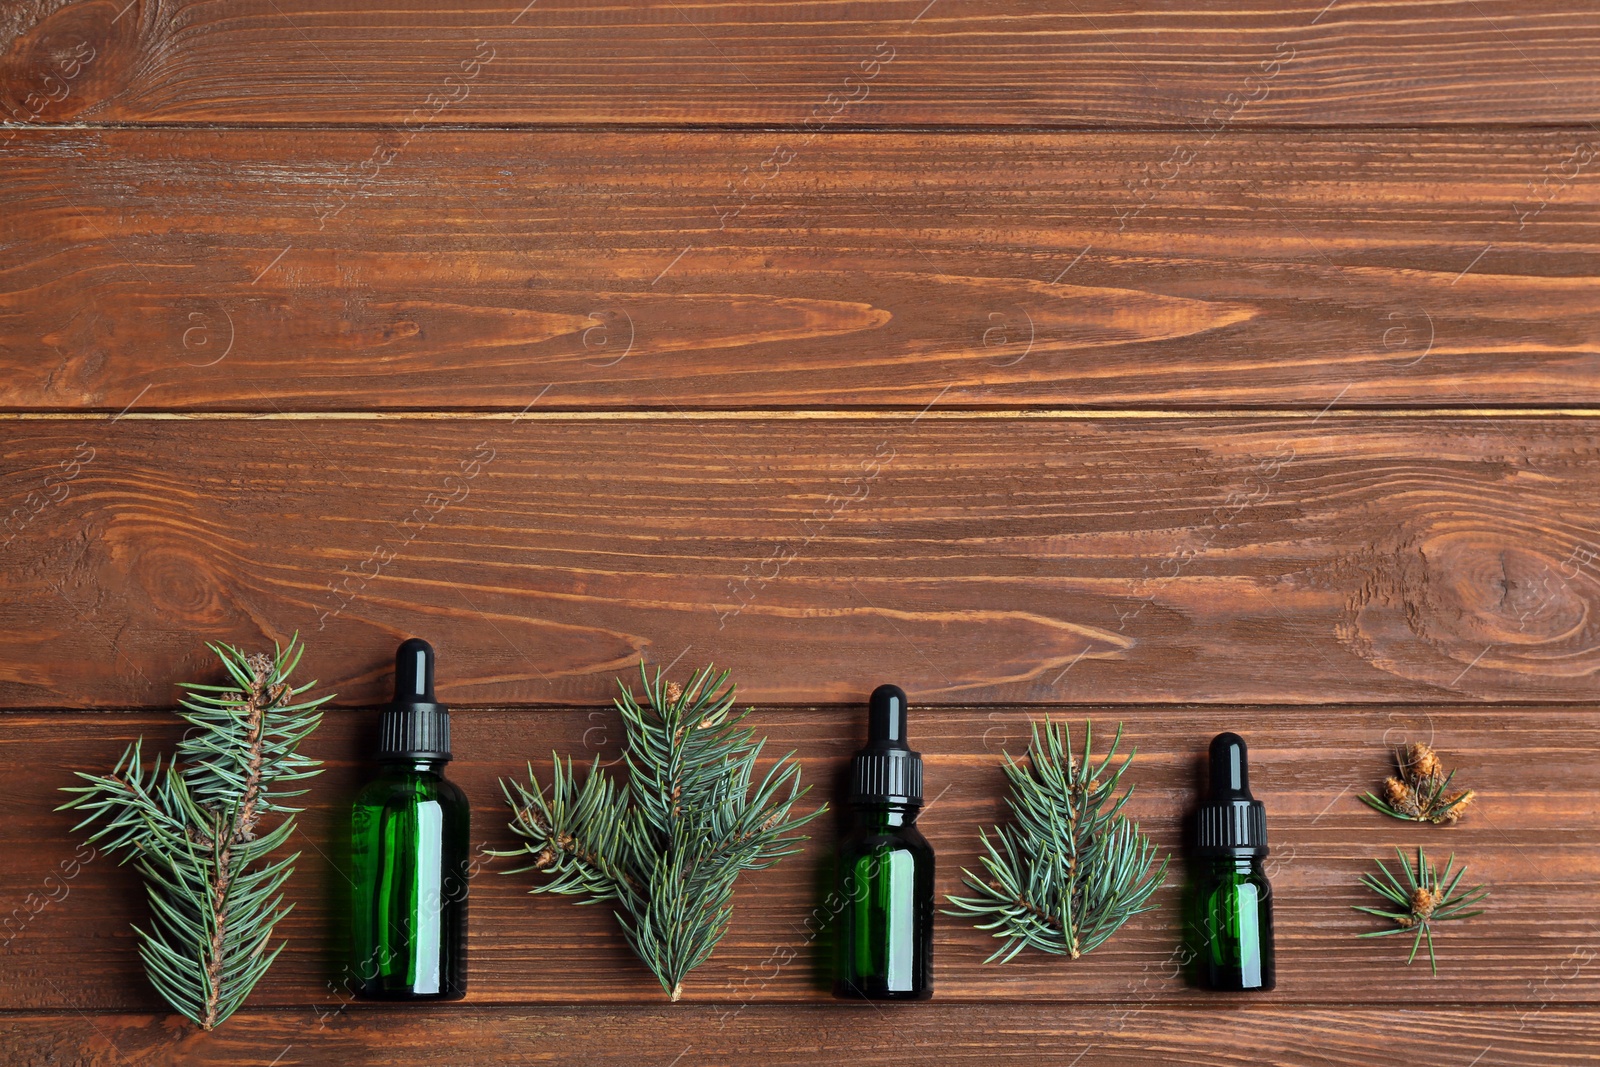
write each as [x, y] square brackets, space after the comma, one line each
[1421, 792]
[1425, 897]
[1070, 868]
[192, 827]
[667, 847]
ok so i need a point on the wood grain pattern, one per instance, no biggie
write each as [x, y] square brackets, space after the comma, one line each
[800, 1036]
[1530, 838]
[704, 330]
[1308, 560]
[361, 270]
[1098, 62]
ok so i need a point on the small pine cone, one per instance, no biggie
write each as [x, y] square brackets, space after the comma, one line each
[1452, 809]
[1423, 901]
[543, 860]
[674, 692]
[1421, 762]
[260, 666]
[1402, 797]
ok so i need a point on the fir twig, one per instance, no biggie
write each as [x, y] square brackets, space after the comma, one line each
[666, 847]
[193, 829]
[1424, 898]
[1421, 791]
[1071, 868]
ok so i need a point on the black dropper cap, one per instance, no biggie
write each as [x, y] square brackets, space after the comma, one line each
[886, 771]
[415, 725]
[1231, 822]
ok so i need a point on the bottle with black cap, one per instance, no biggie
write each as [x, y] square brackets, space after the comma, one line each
[409, 850]
[1230, 913]
[883, 900]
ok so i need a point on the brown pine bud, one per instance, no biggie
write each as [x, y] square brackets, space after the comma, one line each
[1423, 901]
[1402, 798]
[1421, 761]
[1455, 807]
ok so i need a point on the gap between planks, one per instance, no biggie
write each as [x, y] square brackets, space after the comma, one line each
[810, 414]
[1045, 129]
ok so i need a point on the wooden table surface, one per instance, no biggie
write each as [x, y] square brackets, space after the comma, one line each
[1222, 366]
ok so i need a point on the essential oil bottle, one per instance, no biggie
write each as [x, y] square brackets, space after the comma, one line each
[409, 850]
[1230, 919]
[883, 944]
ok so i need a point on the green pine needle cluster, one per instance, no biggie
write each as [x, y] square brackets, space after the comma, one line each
[1425, 897]
[194, 828]
[666, 847]
[1071, 868]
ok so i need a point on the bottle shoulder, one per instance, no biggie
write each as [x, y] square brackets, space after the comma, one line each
[863, 839]
[1235, 873]
[392, 787]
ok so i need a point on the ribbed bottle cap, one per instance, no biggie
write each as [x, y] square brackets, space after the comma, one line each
[886, 771]
[1231, 822]
[414, 725]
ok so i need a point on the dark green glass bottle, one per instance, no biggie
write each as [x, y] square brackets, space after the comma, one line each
[1230, 904]
[409, 845]
[883, 936]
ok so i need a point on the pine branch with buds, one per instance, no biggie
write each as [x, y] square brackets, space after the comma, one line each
[1426, 897]
[193, 827]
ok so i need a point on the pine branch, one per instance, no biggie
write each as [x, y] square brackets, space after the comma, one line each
[193, 829]
[667, 848]
[1071, 868]
[1425, 897]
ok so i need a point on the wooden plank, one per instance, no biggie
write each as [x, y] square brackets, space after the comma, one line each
[1530, 838]
[1299, 560]
[941, 1035]
[359, 270]
[1099, 62]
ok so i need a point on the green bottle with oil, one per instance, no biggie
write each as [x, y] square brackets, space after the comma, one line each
[1230, 902]
[409, 849]
[883, 933]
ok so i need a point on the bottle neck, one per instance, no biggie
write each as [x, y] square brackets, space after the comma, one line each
[413, 764]
[1235, 864]
[878, 815]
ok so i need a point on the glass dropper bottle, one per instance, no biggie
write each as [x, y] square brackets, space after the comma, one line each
[884, 893]
[1230, 915]
[409, 846]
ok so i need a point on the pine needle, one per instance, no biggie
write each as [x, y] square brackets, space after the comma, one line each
[1071, 868]
[193, 829]
[666, 847]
